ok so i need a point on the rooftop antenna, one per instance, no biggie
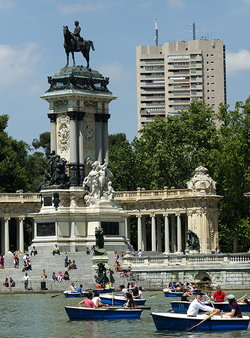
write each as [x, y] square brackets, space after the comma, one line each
[194, 38]
[156, 33]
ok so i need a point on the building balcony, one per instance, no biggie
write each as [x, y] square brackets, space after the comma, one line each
[179, 94]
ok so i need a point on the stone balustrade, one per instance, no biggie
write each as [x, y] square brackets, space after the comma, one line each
[239, 258]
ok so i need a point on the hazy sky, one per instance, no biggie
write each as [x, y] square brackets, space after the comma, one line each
[31, 48]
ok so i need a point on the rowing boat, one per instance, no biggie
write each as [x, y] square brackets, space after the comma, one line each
[70, 294]
[179, 293]
[80, 313]
[119, 300]
[182, 306]
[182, 322]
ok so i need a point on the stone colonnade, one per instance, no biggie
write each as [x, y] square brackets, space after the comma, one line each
[5, 233]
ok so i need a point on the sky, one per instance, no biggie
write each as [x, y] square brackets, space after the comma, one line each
[31, 48]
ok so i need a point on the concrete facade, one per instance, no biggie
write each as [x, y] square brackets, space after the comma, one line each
[170, 76]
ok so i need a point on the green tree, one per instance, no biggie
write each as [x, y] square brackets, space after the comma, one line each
[122, 163]
[230, 168]
[43, 142]
[13, 155]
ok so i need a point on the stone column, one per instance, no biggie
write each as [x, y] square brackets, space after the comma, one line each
[153, 233]
[216, 232]
[6, 234]
[73, 236]
[166, 234]
[139, 232]
[105, 141]
[35, 228]
[128, 226]
[2, 236]
[173, 235]
[186, 229]
[80, 148]
[53, 145]
[74, 180]
[98, 137]
[21, 234]
[179, 246]
[159, 246]
[144, 233]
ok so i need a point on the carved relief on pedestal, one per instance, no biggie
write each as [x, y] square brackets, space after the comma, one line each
[60, 104]
[63, 133]
[89, 131]
[92, 104]
[64, 201]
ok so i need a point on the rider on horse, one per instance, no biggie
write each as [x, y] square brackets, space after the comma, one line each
[79, 40]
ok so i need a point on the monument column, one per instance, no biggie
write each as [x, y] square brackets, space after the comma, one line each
[105, 140]
[73, 149]
[179, 247]
[153, 233]
[52, 118]
[98, 137]
[6, 234]
[21, 234]
[159, 246]
[166, 234]
[80, 148]
[139, 232]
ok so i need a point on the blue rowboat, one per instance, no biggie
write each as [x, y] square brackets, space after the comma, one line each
[170, 293]
[103, 290]
[69, 294]
[182, 306]
[119, 300]
[80, 313]
[181, 322]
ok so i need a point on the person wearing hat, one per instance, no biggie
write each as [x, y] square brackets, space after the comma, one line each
[197, 305]
[235, 311]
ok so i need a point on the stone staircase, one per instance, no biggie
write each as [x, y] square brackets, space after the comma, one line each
[84, 274]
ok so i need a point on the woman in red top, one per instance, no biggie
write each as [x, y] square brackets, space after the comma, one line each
[219, 295]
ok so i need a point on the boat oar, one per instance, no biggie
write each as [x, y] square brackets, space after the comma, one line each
[57, 295]
[195, 326]
[241, 297]
[155, 294]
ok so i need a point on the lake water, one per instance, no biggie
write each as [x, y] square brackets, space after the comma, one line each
[39, 315]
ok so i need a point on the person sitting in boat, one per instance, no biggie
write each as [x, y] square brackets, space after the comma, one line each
[173, 287]
[185, 295]
[245, 300]
[207, 297]
[108, 285]
[137, 293]
[194, 286]
[88, 302]
[235, 311]
[72, 287]
[97, 301]
[98, 286]
[197, 305]
[130, 301]
[123, 290]
[219, 295]
[79, 289]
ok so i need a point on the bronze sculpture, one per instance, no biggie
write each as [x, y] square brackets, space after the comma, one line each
[75, 43]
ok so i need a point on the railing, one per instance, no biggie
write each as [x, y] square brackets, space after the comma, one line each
[199, 259]
[29, 197]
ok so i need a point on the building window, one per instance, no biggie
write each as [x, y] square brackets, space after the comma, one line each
[178, 56]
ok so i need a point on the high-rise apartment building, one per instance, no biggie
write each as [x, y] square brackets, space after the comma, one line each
[170, 76]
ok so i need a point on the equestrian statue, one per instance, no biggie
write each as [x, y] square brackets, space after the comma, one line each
[73, 42]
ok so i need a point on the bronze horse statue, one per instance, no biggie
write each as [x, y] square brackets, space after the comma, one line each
[70, 46]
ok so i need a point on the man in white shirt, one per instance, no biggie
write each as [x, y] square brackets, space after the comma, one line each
[26, 280]
[140, 253]
[97, 301]
[197, 305]
[72, 288]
